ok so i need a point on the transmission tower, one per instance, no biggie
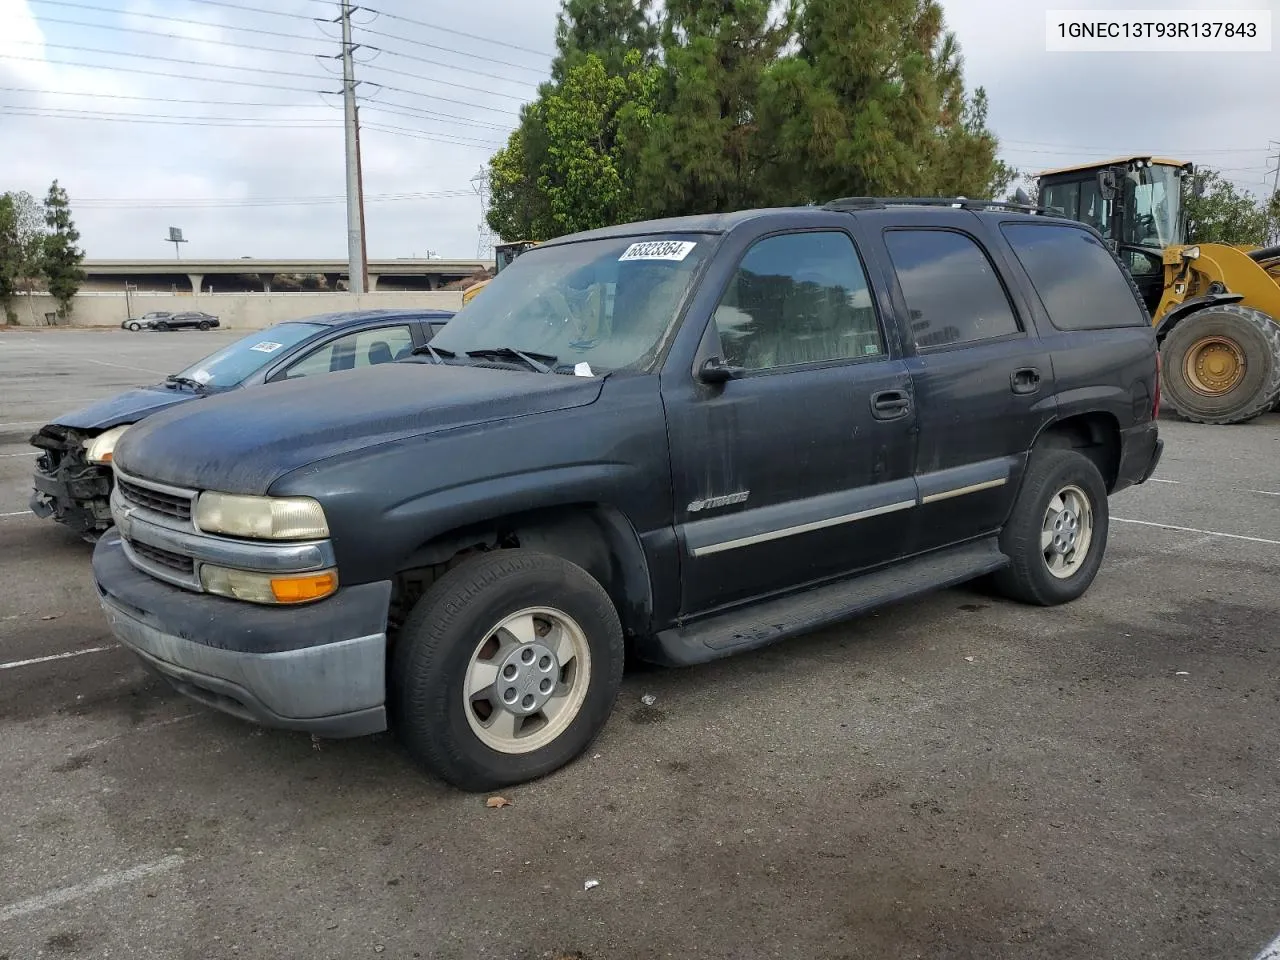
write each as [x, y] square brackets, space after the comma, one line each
[480, 182]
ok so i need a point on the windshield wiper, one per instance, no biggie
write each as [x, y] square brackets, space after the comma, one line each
[188, 382]
[528, 356]
[437, 354]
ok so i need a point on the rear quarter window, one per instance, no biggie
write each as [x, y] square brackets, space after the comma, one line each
[1079, 282]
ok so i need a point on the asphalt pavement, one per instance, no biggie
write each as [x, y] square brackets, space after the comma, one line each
[955, 777]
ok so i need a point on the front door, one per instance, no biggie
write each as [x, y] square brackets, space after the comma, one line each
[800, 470]
[983, 383]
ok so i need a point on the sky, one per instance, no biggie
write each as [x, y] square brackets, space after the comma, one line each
[220, 116]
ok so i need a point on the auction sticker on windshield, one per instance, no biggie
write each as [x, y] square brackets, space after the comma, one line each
[658, 250]
[266, 346]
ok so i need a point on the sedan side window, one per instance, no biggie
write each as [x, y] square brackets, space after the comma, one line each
[365, 349]
[798, 298]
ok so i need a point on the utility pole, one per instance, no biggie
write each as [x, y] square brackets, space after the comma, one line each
[356, 270]
[1274, 200]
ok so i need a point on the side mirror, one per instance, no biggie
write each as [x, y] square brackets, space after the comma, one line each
[715, 370]
[1107, 184]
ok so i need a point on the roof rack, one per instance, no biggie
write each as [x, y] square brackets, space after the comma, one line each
[965, 203]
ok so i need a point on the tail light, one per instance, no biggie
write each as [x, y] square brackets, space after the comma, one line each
[1155, 407]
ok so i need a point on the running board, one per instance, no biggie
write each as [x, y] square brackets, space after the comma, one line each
[761, 624]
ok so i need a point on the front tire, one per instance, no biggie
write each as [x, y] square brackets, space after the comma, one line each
[506, 670]
[203, 325]
[135, 327]
[1057, 532]
[1222, 365]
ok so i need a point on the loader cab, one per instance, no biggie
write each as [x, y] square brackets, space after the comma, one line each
[1134, 202]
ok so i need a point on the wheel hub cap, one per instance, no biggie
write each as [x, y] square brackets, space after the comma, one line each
[1067, 531]
[527, 678]
[1066, 528]
[1214, 365]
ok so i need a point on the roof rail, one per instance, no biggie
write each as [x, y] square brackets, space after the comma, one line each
[965, 203]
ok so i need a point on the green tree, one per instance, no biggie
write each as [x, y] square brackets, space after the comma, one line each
[716, 105]
[704, 150]
[21, 240]
[1224, 214]
[61, 257]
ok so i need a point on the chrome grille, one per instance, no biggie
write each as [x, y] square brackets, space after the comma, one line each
[169, 504]
[165, 558]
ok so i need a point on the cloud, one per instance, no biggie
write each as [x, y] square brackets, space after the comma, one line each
[243, 130]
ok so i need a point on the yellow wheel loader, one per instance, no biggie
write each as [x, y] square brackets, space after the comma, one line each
[1216, 306]
[503, 254]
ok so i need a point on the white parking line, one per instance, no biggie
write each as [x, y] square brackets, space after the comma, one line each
[23, 423]
[57, 656]
[105, 882]
[1158, 480]
[122, 366]
[17, 513]
[1206, 533]
[1267, 493]
[29, 454]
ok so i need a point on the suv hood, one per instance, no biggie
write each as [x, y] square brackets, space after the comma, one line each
[243, 441]
[127, 407]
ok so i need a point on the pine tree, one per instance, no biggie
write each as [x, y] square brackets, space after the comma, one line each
[61, 260]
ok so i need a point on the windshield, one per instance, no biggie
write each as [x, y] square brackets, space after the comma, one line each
[229, 366]
[1152, 198]
[607, 303]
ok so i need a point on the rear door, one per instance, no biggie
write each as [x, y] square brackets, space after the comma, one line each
[801, 469]
[983, 380]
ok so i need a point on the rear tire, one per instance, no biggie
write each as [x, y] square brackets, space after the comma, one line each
[161, 326]
[472, 628]
[1040, 532]
[1256, 339]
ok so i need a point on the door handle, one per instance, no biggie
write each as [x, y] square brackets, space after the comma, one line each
[1025, 380]
[890, 404]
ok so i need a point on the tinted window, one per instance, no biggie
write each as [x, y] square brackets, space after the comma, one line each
[1061, 199]
[365, 349]
[798, 298]
[1079, 282]
[950, 287]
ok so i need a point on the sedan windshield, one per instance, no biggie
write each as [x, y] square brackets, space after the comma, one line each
[230, 366]
[607, 303]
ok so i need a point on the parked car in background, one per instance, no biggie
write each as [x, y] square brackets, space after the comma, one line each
[146, 321]
[72, 482]
[186, 320]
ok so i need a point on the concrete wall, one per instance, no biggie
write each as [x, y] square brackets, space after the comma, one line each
[237, 311]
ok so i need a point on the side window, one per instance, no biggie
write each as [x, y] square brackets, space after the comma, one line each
[365, 349]
[1079, 282]
[798, 298]
[1061, 199]
[951, 288]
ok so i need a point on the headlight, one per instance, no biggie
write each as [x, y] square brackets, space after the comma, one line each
[1191, 253]
[263, 518]
[266, 587]
[100, 448]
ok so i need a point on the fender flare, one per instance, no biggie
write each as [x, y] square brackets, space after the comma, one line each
[1188, 307]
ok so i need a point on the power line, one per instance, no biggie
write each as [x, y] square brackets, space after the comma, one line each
[435, 80]
[173, 36]
[272, 13]
[218, 203]
[376, 106]
[188, 61]
[129, 96]
[159, 16]
[425, 134]
[434, 46]
[431, 96]
[447, 66]
[156, 73]
[457, 33]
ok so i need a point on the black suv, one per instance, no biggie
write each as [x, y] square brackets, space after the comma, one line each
[687, 437]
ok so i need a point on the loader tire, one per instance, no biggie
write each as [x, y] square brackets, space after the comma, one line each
[1203, 378]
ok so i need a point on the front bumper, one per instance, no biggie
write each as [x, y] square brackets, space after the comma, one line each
[319, 668]
[76, 495]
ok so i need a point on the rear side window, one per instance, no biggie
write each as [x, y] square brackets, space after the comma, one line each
[951, 288]
[1079, 282]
